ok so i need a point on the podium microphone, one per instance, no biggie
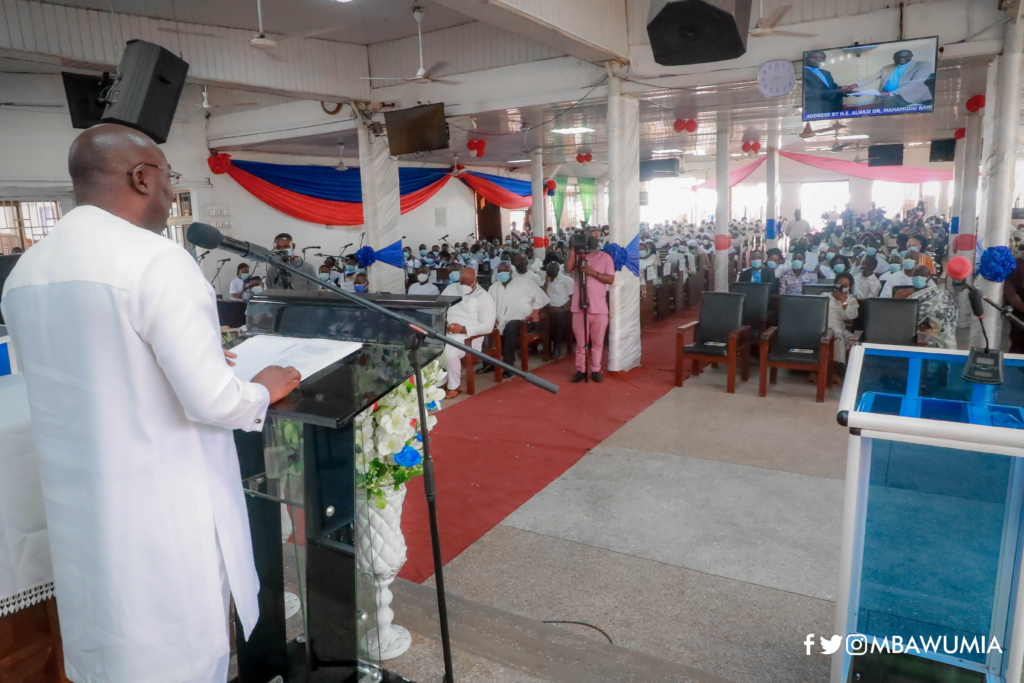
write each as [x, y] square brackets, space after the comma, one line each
[208, 237]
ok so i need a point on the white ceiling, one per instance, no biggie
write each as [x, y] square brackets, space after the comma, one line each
[360, 21]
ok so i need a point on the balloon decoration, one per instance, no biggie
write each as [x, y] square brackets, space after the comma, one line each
[691, 126]
[584, 155]
[478, 146]
[755, 146]
[679, 126]
[746, 147]
[975, 103]
[550, 186]
[960, 133]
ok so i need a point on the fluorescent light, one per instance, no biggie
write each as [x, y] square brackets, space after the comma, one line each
[519, 161]
[914, 144]
[572, 131]
[667, 151]
[853, 137]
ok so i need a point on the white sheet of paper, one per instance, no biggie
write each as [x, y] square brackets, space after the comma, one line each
[652, 272]
[667, 270]
[308, 356]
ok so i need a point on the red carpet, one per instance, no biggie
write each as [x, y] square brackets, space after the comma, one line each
[495, 451]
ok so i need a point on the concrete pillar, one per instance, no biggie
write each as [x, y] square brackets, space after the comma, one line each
[958, 193]
[722, 239]
[999, 166]
[965, 224]
[943, 208]
[624, 222]
[860, 195]
[772, 184]
[381, 207]
[540, 210]
[601, 197]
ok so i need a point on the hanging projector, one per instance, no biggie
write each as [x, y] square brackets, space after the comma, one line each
[697, 31]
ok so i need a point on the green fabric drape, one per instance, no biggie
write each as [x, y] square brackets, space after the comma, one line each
[558, 201]
[588, 197]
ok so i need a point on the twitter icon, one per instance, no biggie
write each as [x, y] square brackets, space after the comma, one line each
[830, 645]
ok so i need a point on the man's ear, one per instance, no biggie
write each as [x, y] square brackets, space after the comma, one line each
[140, 182]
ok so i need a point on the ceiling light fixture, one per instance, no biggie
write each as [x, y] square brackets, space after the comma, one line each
[520, 161]
[859, 136]
[572, 131]
[668, 151]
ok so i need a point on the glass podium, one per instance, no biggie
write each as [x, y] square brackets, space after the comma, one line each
[300, 481]
[930, 564]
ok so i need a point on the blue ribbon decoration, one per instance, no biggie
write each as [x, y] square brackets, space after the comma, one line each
[996, 264]
[391, 255]
[628, 257]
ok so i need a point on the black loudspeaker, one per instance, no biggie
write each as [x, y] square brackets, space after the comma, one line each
[943, 150]
[885, 155]
[698, 31]
[84, 94]
[146, 96]
[659, 168]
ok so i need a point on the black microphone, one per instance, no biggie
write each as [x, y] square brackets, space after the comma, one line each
[977, 305]
[208, 237]
[224, 260]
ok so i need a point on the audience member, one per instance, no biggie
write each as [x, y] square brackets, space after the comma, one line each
[558, 287]
[936, 313]
[473, 316]
[842, 307]
[794, 279]
[901, 277]
[422, 287]
[518, 300]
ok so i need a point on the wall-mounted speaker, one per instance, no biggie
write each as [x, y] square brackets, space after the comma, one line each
[147, 93]
[698, 31]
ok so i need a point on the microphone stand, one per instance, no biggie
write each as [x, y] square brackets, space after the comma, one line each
[413, 343]
[220, 266]
[581, 278]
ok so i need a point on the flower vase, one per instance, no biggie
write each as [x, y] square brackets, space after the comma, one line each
[380, 554]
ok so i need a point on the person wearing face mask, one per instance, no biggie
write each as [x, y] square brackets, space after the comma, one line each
[901, 277]
[918, 243]
[522, 269]
[473, 316]
[794, 279]
[518, 301]
[649, 259]
[351, 270]
[600, 271]
[255, 285]
[422, 286]
[324, 275]
[360, 283]
[839, 264]
[865, 283]
[842, 307]
[240, 284]
[558, 287]
[758, 270]
[936, 310]
[412, 263]
[847, 248]
[279, 279]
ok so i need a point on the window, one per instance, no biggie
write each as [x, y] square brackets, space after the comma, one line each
[22, 224]
[180, 217]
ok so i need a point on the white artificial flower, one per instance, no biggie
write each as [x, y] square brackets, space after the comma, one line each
[394, 421]
[390, 444]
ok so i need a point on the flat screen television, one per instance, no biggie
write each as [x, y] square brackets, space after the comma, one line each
[880, 79]
[885, 155]
[942, 150]
[417, 129]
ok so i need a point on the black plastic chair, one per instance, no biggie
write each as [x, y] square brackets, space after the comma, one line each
[888, 321]
[755, 306]
[818, 289]
[801, 341]
[717, 337]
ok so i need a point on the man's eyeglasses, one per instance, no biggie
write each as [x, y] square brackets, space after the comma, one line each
[174, 175]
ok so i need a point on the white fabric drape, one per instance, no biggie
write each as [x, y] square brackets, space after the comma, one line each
[26, 572]
[624, 221]
[382, 207]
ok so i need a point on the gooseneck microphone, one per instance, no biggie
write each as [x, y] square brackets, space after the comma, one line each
[208, 237]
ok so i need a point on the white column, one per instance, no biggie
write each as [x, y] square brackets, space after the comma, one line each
[860, 195]
[958, 191]
[624, 222]
[722, 239]
[964, 227]
[772, 182]
[1001, 165]
[539, 211]
[601, 197]
[943, 208]
[381, 207]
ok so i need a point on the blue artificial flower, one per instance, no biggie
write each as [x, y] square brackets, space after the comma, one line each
[408, 457]
[996, 264]
[419, 437]
[432, 405]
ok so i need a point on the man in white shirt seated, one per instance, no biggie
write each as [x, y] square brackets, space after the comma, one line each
[518, 301]
[901, 277]
[473, 316]
[422, 287]
[558, 287]
[522, 266]
[866, 284]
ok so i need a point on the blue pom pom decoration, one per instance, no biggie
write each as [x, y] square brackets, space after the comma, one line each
[408, 457]
[366, 257]
[997, 263]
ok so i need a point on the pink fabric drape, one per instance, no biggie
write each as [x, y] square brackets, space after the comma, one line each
[736, 176]
[892, 174]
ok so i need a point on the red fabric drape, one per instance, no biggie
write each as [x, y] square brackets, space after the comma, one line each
[892, 174]
[418, 198]
[736, 176]
[495, 194]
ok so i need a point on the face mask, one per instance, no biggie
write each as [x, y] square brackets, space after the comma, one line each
[920, 281]
[903, 252]
[644, 253]
[772, 264]
[914, 249]
[430, 262]
[350, 268]
[894, 267]
[360, 288]
[755, 263]
[693, 250]
[504, 276]
[423, 252]
[871, 251]
[257, 289]
[797, 265]
[408, 254]
[244, 276]
[792, 250]
[454, 276]
[286, 252]
[325, 277]
[839, 267]
[829, 255]
[842, 288]
[422, 277]
[909, 264]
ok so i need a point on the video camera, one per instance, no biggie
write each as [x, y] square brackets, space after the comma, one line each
[581, 242]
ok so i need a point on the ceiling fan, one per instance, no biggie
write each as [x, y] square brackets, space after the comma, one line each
[809, 132]
[261, 41]
[205, 104]
[423, 75]
[766, 26]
